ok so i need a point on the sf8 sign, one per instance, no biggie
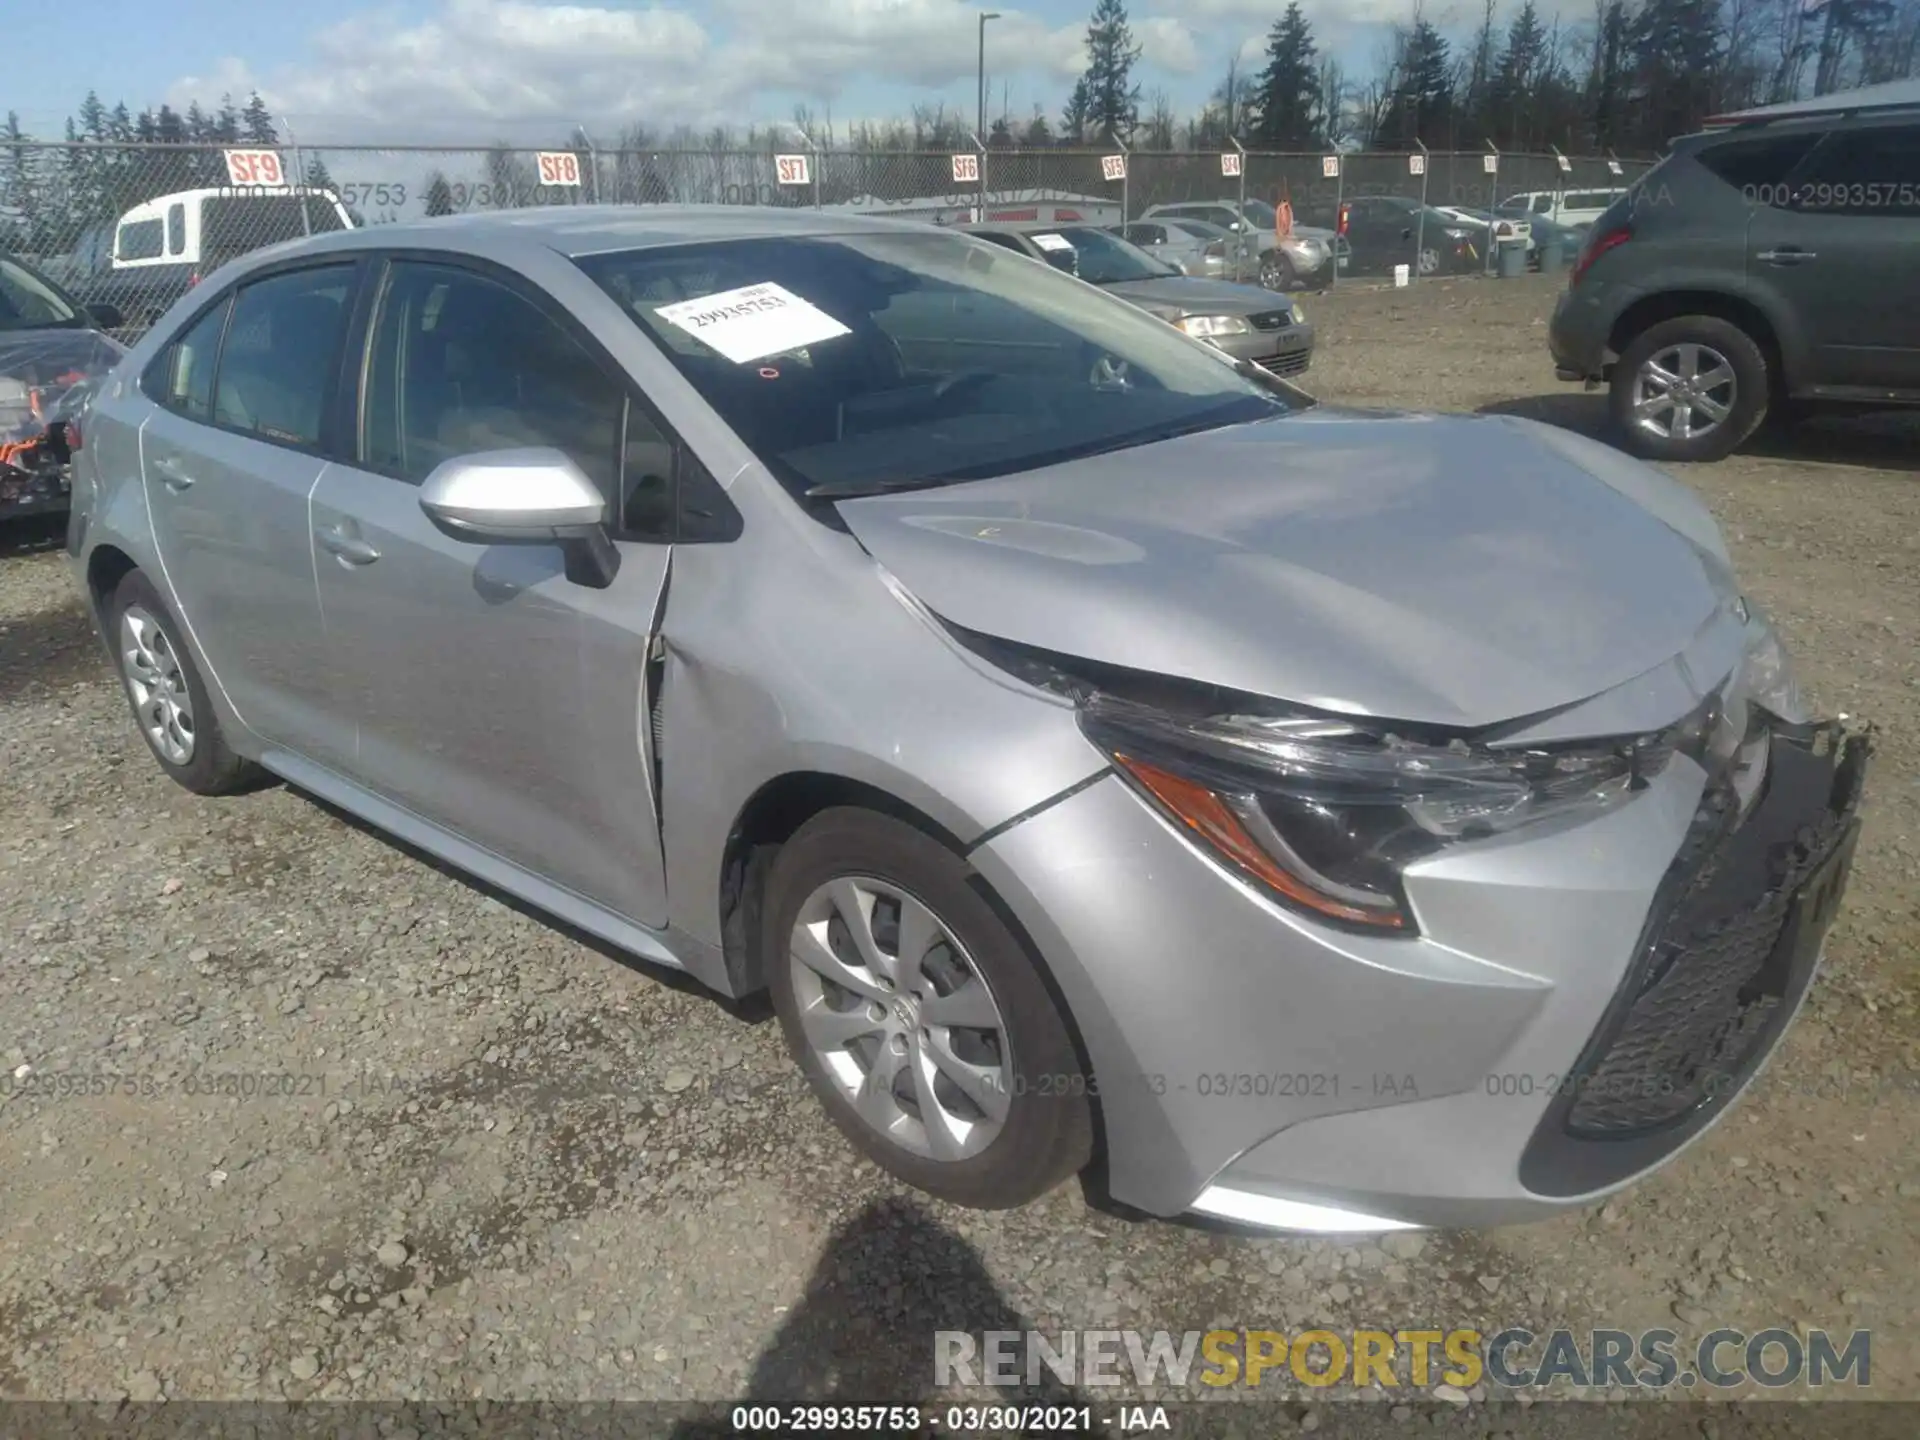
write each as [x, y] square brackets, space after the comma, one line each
[255, 167]
[557, 167]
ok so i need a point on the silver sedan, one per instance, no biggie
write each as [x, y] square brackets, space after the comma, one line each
[1329, 820]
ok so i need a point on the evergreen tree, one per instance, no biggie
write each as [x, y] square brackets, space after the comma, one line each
[257, 122]
[1421, 103]
[439, 195]
[1288, 97]
[1607, 91]
[1038, 134]
[318, 177]
[1676, 50]
[1079, 111]
[1517, 76]
[1112, 97]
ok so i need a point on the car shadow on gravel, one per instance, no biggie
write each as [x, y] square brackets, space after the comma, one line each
[48, 650]
[1881, 439]
[888, 1282]
[32, 535]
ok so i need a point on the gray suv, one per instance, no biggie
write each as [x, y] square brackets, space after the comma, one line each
[1767, 264]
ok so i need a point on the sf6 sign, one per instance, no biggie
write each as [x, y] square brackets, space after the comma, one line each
[557, 167]
[255, 167]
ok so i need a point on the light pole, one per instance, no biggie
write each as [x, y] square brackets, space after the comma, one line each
[985, 15]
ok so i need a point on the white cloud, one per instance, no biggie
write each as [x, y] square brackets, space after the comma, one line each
[514, 63]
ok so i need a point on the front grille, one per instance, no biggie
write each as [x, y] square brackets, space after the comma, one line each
[1711, 982]
[1284, 365]
[1271, 319]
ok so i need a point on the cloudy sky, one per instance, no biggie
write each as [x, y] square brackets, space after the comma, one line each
[521, 68]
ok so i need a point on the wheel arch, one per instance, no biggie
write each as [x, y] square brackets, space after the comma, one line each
[1655, 309]
[771, 816]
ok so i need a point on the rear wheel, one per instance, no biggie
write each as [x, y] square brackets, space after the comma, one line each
[166, 694]
[919, 1018]
[1689, 389]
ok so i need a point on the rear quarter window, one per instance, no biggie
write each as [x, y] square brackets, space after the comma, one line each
[141, 240]
[1758, 166]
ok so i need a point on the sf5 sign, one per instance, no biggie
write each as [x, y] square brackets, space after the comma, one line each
[557, 167]
[1113, 167]
[255, 167]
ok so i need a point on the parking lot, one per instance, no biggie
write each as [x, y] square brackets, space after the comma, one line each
[366, 1132]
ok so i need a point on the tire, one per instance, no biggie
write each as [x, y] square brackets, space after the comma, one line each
[157, 672]
[878, 867]
[1735, 407]
[1276, 272]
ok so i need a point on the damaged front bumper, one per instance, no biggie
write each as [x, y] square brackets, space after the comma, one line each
[36, 476]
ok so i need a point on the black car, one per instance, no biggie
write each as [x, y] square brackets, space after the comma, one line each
[51, 355]
[1382, 231]
[1766, 265]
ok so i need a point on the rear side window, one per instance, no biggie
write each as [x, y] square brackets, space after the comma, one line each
[232, 225]
[176, 229]
[1873, 170]
[463, 364]
[183, 380]
[141, 240]
[282, 348]
[1759, 166]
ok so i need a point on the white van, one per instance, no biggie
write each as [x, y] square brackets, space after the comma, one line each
[1564, 207]
[163, 247]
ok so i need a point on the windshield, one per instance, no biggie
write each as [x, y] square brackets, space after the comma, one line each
[1262, 215]
[1103, 259]
[894, 359]
[29, 303]
[1204, 229]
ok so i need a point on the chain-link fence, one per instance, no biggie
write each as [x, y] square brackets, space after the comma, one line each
[130, 227]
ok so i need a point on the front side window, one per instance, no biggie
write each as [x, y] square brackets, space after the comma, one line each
[282, 349]
[904, 359]
[141, 240]
[462, 364]
[187, 374]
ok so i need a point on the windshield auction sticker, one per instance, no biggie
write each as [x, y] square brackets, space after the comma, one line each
[752, 322]
[1053, 242]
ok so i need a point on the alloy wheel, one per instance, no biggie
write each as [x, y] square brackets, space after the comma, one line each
[1684, 392]
[901, 1020]
[161, 698]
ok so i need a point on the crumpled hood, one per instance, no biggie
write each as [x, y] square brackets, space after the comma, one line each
[1448, 570]
[46, 375]
[1180, 295]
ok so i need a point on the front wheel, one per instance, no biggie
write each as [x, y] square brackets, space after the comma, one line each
[1689, 389]
[921, 1021]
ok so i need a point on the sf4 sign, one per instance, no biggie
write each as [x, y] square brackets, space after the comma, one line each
[966, 169]
[791, 169]
[255, 167]
[557, 167]
[1113, 167]
[1230, 163]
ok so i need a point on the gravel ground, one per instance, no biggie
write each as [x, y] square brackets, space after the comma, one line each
[374, 1134]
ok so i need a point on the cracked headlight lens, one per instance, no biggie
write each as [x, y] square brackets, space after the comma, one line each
[1766, 673]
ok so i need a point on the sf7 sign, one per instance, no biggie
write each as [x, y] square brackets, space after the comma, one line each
[790, 169]
[557, 167]
[255, 167]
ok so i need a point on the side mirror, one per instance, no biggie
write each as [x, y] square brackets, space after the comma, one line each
[107, 317]
[532, 496]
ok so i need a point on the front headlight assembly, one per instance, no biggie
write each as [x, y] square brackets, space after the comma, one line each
[1325, 813]
[1207, 327]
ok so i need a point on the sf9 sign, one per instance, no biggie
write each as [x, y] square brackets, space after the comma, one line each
[255, 167]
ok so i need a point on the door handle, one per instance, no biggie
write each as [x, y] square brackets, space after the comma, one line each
[172, 474]
[1789, 255]
[351, 549]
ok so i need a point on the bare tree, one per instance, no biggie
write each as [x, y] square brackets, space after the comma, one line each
[1334, 102]
[1157, 133]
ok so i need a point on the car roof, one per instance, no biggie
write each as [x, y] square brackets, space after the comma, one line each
[1893, 95]
[580, 230]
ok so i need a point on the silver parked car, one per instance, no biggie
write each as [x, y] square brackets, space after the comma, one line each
[1333, 820]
